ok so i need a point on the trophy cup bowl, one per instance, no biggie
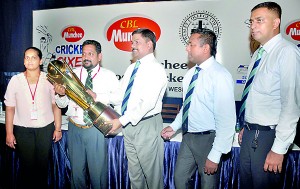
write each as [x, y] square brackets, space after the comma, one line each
[61, 73]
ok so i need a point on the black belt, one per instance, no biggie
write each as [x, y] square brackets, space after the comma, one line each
[148, 117]
[202, 133]
[254, 126]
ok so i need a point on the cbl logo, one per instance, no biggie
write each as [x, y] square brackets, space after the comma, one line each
[72, 33]
[120, 31]
[293, 30]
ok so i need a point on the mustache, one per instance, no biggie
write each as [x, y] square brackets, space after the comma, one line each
[84, 61]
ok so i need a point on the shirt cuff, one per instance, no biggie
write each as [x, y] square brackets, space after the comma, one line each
[123, 120]
[103, 98]
[61, 102]
[280, 147]
[214, 156]
[175, 127]
[57, 96]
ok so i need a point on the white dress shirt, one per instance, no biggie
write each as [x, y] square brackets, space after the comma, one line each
[147, 91]
[212, 106]
[105, 83]
[272, 99]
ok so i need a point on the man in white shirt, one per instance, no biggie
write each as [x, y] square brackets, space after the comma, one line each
[209, 126]
[86, 145]
[141, 92]
[272, 108]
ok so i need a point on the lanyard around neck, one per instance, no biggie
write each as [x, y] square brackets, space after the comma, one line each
[32, 93]
[93, 75]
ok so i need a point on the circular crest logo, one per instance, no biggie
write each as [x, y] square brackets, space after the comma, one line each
[199, 19]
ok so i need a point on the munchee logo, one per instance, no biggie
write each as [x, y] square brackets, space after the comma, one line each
[293, 30]
[120, 31]
[72, 33]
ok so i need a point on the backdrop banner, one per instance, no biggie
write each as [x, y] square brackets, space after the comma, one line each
[59, 33]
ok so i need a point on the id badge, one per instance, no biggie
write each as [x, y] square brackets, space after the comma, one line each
[33, 113]
[75, 111]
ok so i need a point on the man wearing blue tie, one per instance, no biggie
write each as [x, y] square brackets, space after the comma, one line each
[270, 106]
[141, 92]
[207, 117]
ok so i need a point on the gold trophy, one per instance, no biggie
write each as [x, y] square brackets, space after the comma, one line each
[61, 73]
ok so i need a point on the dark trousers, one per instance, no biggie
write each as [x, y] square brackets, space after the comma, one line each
[33, 148]
[252, 174]
[193, 153]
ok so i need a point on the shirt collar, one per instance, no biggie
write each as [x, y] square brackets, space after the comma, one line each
[206, 64]
[94, 70]
[147, 58]
[271, 43]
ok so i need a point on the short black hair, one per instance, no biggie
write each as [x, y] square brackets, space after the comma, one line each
[39, 52]
[146, 33]
[207, 36]
[272, 6]
[93, 42]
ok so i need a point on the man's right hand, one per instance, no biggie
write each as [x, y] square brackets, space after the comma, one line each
[167, 133]
[240, 136]
[59, 89]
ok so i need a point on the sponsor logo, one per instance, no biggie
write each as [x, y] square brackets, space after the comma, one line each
[120, 31]
[199, 19]
[242, 69]
[240, 81]
[293, 30]
[72, 33]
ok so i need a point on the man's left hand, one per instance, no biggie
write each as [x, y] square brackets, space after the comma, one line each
[210, 167]
[273, 162]
[116, 124]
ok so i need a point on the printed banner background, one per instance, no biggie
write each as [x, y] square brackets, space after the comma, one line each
[171, 20]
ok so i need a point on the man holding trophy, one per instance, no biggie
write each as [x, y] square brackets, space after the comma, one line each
[87, 149]
[141, 92]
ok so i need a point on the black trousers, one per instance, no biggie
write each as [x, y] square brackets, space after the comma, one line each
[252, 174]
[33, 149]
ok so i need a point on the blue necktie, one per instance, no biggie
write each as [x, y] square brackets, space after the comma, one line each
[248, 86]
[187, 101]
[88, 85]
[129, 87]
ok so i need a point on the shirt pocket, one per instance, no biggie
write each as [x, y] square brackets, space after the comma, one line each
[265, 81]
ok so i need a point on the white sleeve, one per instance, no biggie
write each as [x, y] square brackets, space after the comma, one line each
[61, 102]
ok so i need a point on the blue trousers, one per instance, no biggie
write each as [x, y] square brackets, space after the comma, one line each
[88, 157]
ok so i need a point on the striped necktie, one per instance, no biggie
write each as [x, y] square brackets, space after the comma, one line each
[187, 100]
[129, 87]
[89, 80]
[248, 87]
[88, 85]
